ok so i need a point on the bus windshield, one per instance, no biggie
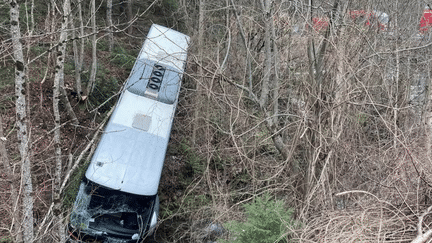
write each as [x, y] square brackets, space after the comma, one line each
[111, 212]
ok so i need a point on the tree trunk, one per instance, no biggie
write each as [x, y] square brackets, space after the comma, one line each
[110, 23]
[130, 16]
[396, 86]
[65, 101]
[78, 56]
[81, 55]
[276, 72]
[32, 16]
[22, 133]
[59, 75]
[341, 86]
[63, 95]
[57, 93]
[248, 58]
[53, 29]
[92, 79]
[200, 83]
[320, 123]
[265, 87]
[428, 117]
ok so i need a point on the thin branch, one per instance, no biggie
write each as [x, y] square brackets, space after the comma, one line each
[422, 237]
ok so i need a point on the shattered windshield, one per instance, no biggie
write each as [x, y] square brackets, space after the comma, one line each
[104, 211]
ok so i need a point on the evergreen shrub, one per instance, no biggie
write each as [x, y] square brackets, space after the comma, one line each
[267, 222]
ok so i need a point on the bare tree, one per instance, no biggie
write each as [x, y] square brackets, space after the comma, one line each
[268, 19]
[428, 118]
[110, 28]
[130, 15]
[423, 236]
[200, 79]
[59, 75]
[58, 90]
[32, 16]
[394, 98]
[78, 56]
[22, 132]
[93, 71]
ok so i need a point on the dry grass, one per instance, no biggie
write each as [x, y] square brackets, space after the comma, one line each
[374, 223]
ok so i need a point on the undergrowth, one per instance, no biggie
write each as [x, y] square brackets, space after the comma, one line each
[267, 222]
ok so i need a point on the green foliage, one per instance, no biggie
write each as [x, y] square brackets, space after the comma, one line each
[6, 239]
[38, 15]
[69, 67]
[197, 201]
[105, 87]
[7, 74]
[168, 210]
[219, 162]
[72, 189]
[194, 162]
[102, 45]
[104, 90]
[362, 119]
[122, 58]
[241, 180]
[4, 18]
[102, 72]
[267, 221]
[38, 49]
[170, 4]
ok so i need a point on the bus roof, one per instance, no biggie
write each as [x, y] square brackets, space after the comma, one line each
[132, 150]
[165, 46]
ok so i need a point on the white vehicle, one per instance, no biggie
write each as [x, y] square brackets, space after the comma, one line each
[117, 200]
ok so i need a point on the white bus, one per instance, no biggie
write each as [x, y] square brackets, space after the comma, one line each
[117, 199]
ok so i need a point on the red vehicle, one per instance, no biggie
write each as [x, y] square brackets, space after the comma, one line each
[320, 24]
[359, 16]
[426, 21]
[370, 18]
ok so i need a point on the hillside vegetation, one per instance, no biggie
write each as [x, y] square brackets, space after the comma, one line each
[298, 121]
